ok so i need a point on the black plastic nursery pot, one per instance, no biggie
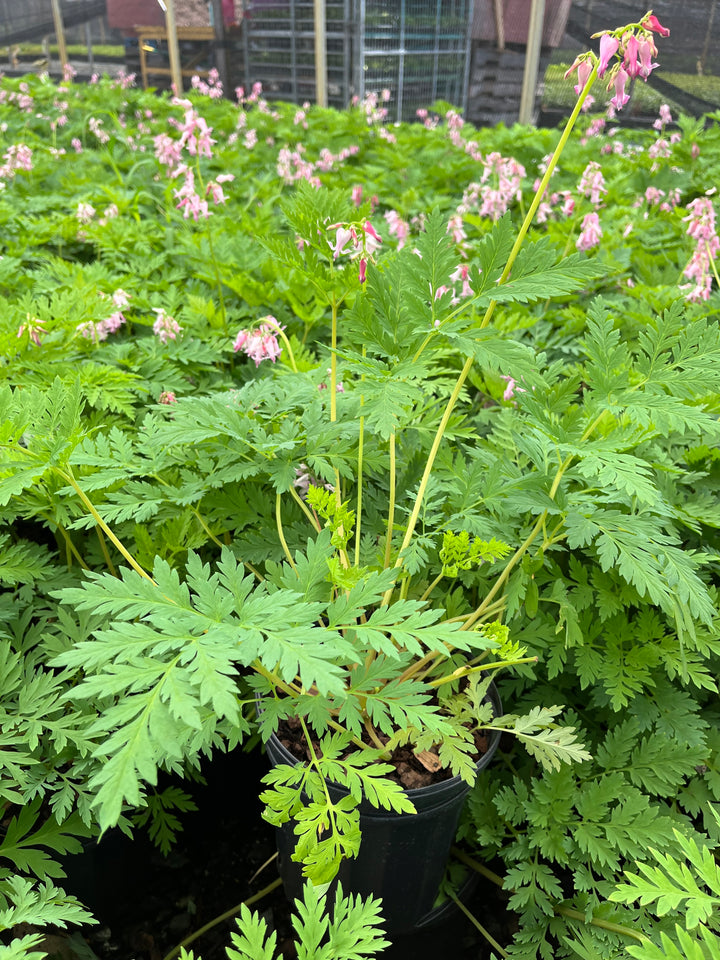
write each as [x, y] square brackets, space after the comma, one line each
[402, 857]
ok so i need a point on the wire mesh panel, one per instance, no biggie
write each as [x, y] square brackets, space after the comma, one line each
[688, 78]
[22, 20]
[277, 49]
[417, 49]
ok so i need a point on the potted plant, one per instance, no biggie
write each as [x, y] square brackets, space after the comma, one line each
[357, 467]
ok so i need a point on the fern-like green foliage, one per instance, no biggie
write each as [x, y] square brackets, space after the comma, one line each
[328, 927]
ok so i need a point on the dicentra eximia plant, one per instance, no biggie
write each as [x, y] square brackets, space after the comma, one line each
[421, 538]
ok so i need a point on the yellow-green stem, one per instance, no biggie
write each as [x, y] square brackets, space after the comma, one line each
[432, 586]
[281, 534]
[70, 549]
[562, 911]
[305, 509]
[712, 262]
[476, 923]
[603, 924]
[428, 468]
[316, 763]
[103, 547]
[539, 193]
[283, 337]
[333, 385]
[391, 502]
[333, 361]
[477, 867]
[361, 452]
[502, 579]
[205, 527]
[358, 509]
[69, 478]
[224, 916]
[466, 671]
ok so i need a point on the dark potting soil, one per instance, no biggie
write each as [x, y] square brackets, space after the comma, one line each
[411, 771]
[146, 903]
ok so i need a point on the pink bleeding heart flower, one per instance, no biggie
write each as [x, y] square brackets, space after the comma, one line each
[651, 22]
[608, 48]
[584, 71]
[620, 98]
[631, 61]
[646, 50]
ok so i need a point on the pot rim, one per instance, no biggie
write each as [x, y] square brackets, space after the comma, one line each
[452, 783]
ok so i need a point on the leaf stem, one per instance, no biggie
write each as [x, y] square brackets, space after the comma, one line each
[281, 534]
[361, 454]
[305, 509]
[466, 671]
[103, 547]
[69, 478]
[391, 503]
[70, 548]
[224, 916]
[562, 911]
[476, 923]
[539, 193]
[502, 578]
[477, 867]
[283, 337]
[603, 924]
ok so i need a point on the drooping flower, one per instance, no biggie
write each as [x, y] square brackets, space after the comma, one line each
[357, 241]
[647, 51]
[165, 327]
[34, 328]
[631, 61]
[590, 233]
[85, 212]
[509, 391]
[397, 227]
[260, 343]
[609, 45]
[651, 22]
[167, 396]
[664, 118]
[592, 182]
[619, 80]
[584, 68]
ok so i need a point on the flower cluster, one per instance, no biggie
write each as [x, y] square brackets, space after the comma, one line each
[165, 327]
[261, 343]
[371, 106]
[590, 232]
[499, 186]
[664, 117]
[190, 201]
[630, 51]
[18, 156]
[22, 99]
[85, 212]
[292, 166]
[356, 240]
[592, 183]
[397, 227]
[213, 88]
[701, 227]
[34, 328]
[96, 128]
[194, 131]
[103, 328]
